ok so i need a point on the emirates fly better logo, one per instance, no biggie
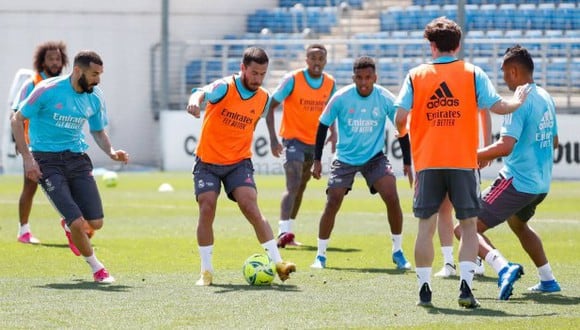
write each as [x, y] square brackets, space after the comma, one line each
[443, 107]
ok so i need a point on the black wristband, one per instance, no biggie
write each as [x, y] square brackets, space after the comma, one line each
[405, 145]
[320, 138]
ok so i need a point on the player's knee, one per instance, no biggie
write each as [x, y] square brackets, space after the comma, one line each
[94, 224]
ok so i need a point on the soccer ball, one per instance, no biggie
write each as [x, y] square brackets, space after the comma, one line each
[110, 179]
[259, 269]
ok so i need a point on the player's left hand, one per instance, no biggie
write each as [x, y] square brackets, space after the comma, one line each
[332, 140]
[120, 156]
[483, 163]
[317, 169]
[522, 92]
[408, 171]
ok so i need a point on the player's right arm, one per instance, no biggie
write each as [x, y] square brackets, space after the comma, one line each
[275, 145]
[485, 119]
[194, 103]
[31, 169]
[210, 93]
[318, 147]
[487, 96]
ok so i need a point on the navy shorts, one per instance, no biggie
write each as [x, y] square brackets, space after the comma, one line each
[432, 185]
[295, 150]
[501, 200]
[67, 179]
[209, 177]
[342, 174]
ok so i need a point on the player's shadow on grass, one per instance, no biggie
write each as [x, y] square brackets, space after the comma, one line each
[86, 285]
[391, 271]
[64, 245]
[315, 248]
[477, 278]
[550, 299]
[227, 288]
[478, 312]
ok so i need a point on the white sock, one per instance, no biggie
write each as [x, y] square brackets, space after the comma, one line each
[283, 226]
[466, 272]
[291, 222]
[322, 246]
[271, 248]
[397, 242]
[447, 252]
[496, 260]
[205, 253]
[23, 229]
[95, 264]
[423, 275]
[545, 273]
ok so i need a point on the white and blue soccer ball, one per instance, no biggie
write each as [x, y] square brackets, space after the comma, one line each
[259, 269]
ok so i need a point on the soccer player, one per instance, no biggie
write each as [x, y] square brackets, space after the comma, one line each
[58, 109]
[49, 59]
[303, 94]
[526, 144]
[360, 111]
[443, 97]
[445, 224]
[223, 156]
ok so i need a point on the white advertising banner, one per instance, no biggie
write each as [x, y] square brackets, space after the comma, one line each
[180, 133]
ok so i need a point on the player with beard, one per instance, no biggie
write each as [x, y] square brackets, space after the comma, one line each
[234, 106]
[49, 59]
[58, 109]
[303, 94]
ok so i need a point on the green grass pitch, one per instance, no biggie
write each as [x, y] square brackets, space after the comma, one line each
[148, 243]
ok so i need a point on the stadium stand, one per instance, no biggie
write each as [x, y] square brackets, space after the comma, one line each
[550, 29]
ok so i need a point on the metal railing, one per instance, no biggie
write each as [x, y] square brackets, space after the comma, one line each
[218, 58]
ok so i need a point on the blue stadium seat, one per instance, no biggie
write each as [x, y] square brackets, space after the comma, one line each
[566, 17]
[429, 13]
[483, 18]
[320, 3]
[505, 16]
[409, 18]
[390, 72]
[395, 49]
[449, 11]
[544, 16]
[575, 72]
[529, 38]
[557, 72]
[555, 34]
[524, 16]
[341, 70]
[390, 18]
[515, 35]
[471, 45]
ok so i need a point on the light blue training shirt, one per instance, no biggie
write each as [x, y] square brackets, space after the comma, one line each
[534, 126]
[360, 122]
[58, 113]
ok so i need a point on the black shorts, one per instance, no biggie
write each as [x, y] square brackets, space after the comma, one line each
[67, 179]
[432, 185]
[501, 200]
[342, 174]
[295, 150]
[209, 177]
